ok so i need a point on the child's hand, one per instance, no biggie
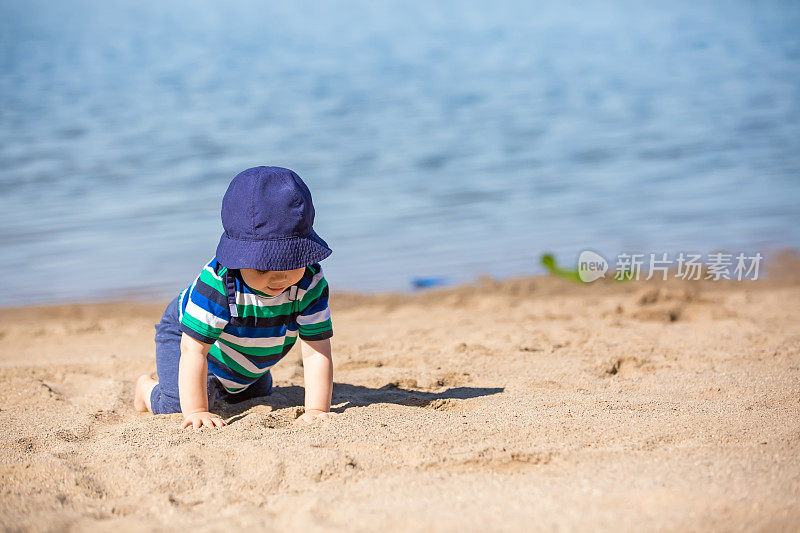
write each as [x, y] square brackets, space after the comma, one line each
[203, 418]
[313, 414]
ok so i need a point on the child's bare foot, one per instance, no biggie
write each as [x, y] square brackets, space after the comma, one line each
[144, 386]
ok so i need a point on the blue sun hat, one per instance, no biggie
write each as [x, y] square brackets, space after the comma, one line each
[268, 217]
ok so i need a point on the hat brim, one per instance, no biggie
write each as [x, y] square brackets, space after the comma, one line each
[273, 254]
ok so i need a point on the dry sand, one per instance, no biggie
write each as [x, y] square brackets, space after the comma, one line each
[522, 405]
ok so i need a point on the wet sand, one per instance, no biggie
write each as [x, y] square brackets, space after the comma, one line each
[525, 404]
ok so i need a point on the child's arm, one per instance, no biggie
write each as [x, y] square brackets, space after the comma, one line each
[318, 377]
[192, 373]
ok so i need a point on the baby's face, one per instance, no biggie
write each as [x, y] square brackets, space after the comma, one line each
[272, 282]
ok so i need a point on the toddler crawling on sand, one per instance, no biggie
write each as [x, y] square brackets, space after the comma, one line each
[264, 288]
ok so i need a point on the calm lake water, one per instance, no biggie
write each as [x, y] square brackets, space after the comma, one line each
[444, 139]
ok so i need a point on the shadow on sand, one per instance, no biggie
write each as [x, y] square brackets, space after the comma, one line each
[346, 396]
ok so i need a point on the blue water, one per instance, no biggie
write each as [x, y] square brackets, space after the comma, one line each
[440, 139]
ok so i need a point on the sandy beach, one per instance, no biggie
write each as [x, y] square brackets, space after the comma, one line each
[525, 404]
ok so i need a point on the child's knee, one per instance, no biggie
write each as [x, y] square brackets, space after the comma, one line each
[163, 404]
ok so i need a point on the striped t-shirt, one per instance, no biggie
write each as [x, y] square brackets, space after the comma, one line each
[245, 347]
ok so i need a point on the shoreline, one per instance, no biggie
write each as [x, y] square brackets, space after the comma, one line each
[774, 264]
[781, 268]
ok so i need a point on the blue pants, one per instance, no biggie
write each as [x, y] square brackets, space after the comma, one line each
[165, 397]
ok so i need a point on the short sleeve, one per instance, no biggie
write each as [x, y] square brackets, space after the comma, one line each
[314, 320]
[205, 313]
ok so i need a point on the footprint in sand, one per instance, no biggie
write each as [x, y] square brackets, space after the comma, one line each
[626, 366]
